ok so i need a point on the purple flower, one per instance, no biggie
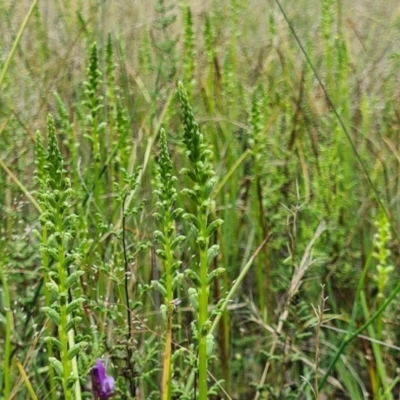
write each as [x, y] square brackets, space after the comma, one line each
[103, 385]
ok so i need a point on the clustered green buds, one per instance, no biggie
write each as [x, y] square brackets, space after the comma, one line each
[59, 223]
[201, 174]
[382, 253]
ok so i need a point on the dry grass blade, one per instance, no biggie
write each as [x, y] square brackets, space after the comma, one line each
[238, 281]
[26, 380]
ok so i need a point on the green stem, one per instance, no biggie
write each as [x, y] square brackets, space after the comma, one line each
[261, 262]
[166, 382]
[74, 365]
[7, 342]
[203, 306]
[63, 334]
[47, 299]
[96, 156]
[230, 295]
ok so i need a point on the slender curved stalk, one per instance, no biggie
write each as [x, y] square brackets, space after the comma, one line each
[376, 348]
[16, 43]
[238, 282]
[351, 336]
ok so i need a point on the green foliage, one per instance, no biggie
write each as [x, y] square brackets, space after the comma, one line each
[59, 226]
[112, 239]
[202, 177]
[170, 283]
[189, 48]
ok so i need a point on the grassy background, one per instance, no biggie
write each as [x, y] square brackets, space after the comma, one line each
[284, 167]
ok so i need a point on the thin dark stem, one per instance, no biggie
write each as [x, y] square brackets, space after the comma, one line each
[126, 283]
[128, 309]
[101, 173]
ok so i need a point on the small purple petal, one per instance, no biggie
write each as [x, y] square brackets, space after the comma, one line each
[108, 385]
[103, 385]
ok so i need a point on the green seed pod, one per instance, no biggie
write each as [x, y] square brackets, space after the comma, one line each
[56, 364]
[52, 286]
[71, 323]
[158, 286]
[214, 226]
[54, 341]
[73, 278]
[52, 314]
[214, 274]
[178, 240]
[71, 381]
[210, 344]
[74, 305]
[163, 310]
[75, 349]
[212, 252]
[193, 298]
[193, 276]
